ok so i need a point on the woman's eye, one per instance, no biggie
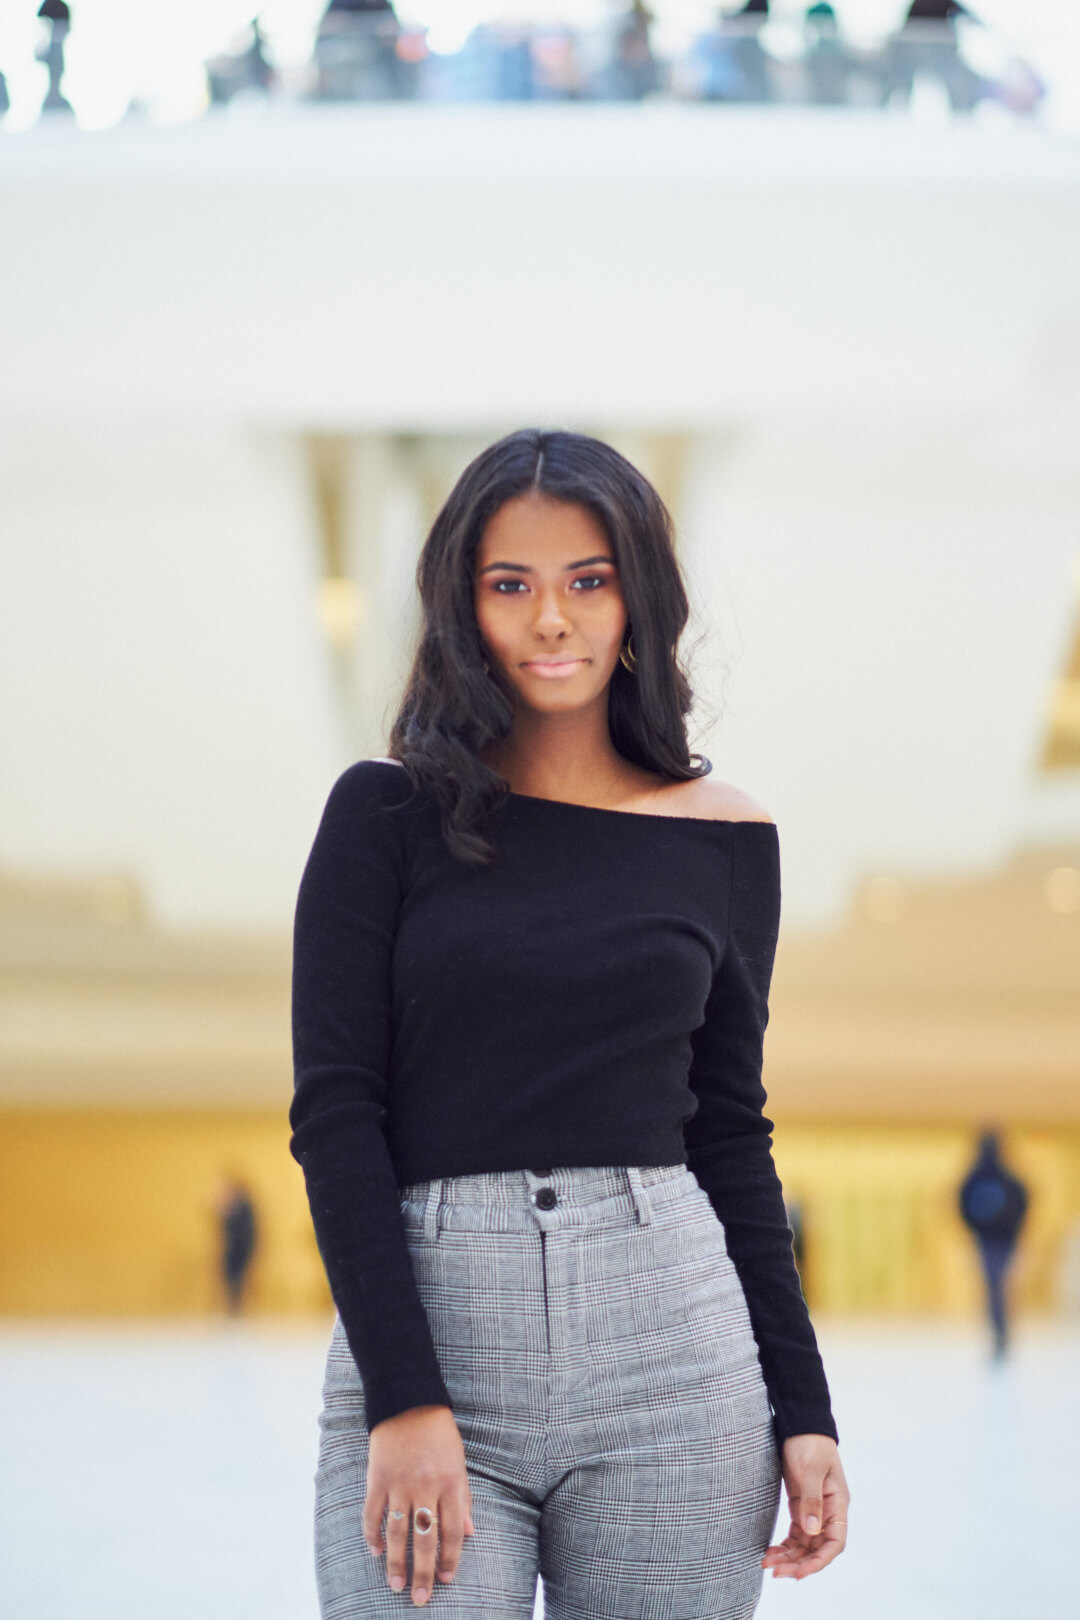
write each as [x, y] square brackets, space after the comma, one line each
[509, 587]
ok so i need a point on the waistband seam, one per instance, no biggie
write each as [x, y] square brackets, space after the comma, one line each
[651, 1175]
[514, 1190]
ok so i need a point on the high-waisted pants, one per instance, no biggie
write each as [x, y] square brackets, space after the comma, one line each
[605, 1380]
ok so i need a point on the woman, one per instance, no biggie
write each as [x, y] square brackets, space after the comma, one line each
[531, 965]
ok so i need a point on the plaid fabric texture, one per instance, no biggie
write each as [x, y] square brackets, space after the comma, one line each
[606, 1384]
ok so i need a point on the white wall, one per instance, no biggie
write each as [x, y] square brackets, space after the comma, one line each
[869, 331]
[166, 706]
[427, 266]
[894, 601]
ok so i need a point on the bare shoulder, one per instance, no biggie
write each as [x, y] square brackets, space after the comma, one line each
[715, 801]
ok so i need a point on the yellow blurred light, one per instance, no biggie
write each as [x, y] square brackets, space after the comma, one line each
[1065, 707]
[1062, 889]
[115, 900]
[340, 609]
[884, 899]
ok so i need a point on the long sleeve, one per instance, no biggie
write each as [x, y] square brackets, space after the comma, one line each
[342, 1026]
[729, 1141]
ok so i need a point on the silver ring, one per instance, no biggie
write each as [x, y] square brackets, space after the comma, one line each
[397, 1514]
[423, 1529]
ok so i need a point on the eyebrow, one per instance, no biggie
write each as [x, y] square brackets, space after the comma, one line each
[523, 568]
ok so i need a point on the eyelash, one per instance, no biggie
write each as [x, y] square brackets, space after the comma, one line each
[601, 578]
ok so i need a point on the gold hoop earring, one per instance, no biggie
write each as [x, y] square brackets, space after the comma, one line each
[627, 655]
[487, 667]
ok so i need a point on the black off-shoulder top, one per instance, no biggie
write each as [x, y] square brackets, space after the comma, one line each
[597, 995]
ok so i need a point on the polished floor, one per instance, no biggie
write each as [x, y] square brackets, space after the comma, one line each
[165, 1471]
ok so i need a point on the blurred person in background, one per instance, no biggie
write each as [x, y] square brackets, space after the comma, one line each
[356, 53]
[827, 61]
[993, 1203]
[238, 1240]
[635, 67]
[615, 1346]
[558, 71]
[747, 53]
[56, 14]
[509, 52]
[927, 46]
[241, 68]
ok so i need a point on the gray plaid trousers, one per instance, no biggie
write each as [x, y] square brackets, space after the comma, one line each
[609, 1396]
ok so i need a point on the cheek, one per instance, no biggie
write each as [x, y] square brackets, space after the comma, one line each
[607, 618]
[497, 629]
[491, 622]
[482, 609]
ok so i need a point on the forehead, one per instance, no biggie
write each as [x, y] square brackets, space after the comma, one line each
[535, 528]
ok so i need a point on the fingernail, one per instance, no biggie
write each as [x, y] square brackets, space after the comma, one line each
[812, 1525]
[374, 1551]
[421, 1594]
[397, 1582]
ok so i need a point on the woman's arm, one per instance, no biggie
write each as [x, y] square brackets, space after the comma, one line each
[342, 1028]
[729, 1140]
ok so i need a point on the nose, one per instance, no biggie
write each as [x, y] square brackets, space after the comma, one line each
[551, 617]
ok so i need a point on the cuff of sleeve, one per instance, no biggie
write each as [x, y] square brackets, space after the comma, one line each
[388, 1400]
[804, 1420]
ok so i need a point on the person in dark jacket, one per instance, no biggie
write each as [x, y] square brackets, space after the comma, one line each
[993, 1203]
[239, 1238]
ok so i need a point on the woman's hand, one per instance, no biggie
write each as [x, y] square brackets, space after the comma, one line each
[818, 1499]
[415, 1460]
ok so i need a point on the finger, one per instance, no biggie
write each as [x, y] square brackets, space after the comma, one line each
[792, 1542]
[833, 1540]
[781, 1554]
[836, 1531]
[796, 1559]
[789, 1557]
[374, 1508]
[787, 1552]
[424, 1545]
[451, 1532]
[397, 1542]
[794, 1538]
[799, 1568]
[808, 1510]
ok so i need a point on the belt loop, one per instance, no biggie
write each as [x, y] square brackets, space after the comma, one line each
[639, 1194]
[431, 1210]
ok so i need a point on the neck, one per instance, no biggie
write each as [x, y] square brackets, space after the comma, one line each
[560, 756]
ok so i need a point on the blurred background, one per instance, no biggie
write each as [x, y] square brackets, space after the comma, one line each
[268, 279]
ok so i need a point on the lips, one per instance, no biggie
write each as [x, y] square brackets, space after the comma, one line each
[555, 668]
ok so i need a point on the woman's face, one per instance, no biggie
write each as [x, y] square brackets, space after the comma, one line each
[548, 601]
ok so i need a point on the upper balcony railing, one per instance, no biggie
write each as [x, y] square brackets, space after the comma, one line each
[361, 51]
[365, 56]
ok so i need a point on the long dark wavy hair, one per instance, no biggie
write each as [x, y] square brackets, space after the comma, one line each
[453, 709]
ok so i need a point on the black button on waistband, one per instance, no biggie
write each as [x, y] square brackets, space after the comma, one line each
[542, 1172]
[546, 1198]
